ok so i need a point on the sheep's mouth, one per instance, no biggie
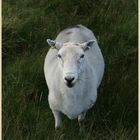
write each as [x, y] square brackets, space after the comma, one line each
[70, 85]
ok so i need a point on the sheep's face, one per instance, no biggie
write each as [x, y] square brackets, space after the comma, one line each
[71, 59]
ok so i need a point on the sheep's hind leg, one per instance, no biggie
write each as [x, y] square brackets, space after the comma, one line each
[58, 121]
[81, 118]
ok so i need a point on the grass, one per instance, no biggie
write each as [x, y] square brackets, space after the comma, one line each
[26, 25]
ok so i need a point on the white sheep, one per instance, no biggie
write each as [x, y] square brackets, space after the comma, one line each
[74, 68]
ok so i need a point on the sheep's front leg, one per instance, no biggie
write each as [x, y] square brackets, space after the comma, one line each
[57, 117]
[81, 118]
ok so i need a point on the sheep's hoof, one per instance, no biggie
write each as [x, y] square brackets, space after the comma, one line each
[81, 127]
[57, 128]
[82, 131]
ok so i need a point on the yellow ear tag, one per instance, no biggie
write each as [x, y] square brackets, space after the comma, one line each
[52, 47]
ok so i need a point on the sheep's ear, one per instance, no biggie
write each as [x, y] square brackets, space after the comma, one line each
[54, 44]
[87, 45]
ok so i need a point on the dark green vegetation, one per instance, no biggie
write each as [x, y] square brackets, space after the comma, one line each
[26, 25]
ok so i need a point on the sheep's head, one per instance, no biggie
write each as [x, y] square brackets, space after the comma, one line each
[71, 57]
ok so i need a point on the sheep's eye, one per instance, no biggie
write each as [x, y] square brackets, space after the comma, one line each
[82, 56]
[59, 56]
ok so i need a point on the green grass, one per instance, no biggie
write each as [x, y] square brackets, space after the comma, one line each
[26, 26]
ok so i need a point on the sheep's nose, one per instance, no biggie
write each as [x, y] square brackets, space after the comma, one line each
[69, 79]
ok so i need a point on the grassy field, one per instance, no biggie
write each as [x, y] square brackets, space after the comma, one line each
[26, 25]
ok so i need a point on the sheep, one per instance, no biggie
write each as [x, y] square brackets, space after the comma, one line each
[74, 67]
